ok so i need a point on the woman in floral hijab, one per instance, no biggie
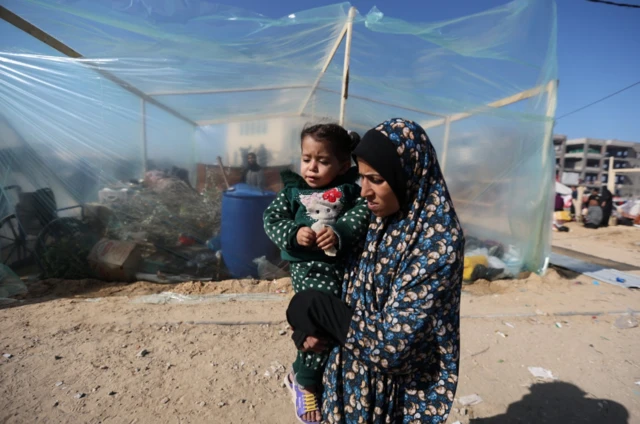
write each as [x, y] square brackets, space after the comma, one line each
[398, 325]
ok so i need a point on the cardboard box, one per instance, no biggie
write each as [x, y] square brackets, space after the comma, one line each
[115, 260]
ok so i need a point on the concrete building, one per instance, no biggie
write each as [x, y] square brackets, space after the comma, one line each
[589, 159]
[279, 138]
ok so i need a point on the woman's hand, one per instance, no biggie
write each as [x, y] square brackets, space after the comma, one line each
[326, 238]
[306, 237]
[314, 344]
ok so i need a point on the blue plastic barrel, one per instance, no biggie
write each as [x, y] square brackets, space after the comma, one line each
[242, 235]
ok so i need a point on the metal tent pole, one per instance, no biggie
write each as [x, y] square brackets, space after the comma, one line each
[611, 181]
[327, 62]
[552, 95]
[445, 144]
[143, 135]
[546, 217]
[515, 98]
[347, 60]
[53, 42]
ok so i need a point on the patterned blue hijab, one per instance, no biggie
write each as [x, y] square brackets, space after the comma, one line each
[427, 237]
[400, 361]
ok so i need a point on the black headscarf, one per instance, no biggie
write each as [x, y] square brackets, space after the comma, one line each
[606, 201]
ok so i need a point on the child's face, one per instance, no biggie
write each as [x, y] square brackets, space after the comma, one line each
[318, 165]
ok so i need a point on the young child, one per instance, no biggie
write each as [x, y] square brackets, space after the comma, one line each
[317, 215]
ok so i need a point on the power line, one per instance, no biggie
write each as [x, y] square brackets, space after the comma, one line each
[599, 100]
[636, 6]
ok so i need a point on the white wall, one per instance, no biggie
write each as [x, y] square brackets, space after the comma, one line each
[280, 137]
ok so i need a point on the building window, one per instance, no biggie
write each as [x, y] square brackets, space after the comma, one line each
[253, 128]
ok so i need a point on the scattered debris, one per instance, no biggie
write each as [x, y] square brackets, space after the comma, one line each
[542, 373]
[501, 334]
[481, 352]
[104, 367]
[7, 355]
[626, 322]
[169, 366]
[595, 283]
[463, 411]
[470, 400]
[59, 383]
[558, 325]
[143, 353]
[95, 389]
[56, 403]
[112, 393]
[277, 368]
[80, 395]
[282, 332]
[165, 400]
[57, 358]
[221, 404]
[508, 324]
[202, 403]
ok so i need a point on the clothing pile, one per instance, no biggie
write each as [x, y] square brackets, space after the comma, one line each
[490, 260]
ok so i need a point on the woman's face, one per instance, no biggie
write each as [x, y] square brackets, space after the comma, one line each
[380, 198]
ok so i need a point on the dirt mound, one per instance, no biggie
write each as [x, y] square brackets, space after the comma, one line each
[95, 288]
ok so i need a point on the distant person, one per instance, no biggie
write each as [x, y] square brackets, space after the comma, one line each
[559, 204]
[560, 216]
[594, 214]
[574, 198]
[606, 202]
[593, 195]
[253, 174]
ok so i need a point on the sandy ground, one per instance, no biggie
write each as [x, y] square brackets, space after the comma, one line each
[620, 244]
[75, 353]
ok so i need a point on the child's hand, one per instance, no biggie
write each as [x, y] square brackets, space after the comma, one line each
[306, 237]
[326, 238]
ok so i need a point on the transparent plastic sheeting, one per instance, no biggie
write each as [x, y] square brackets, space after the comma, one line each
[223, 82]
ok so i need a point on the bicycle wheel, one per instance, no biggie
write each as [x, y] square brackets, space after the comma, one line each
[14, 248]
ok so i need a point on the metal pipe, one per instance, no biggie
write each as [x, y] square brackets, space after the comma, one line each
[345, 69]
[143, 136]
[227, 90]
[445, 144]
[327, 62]
[58, 45]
